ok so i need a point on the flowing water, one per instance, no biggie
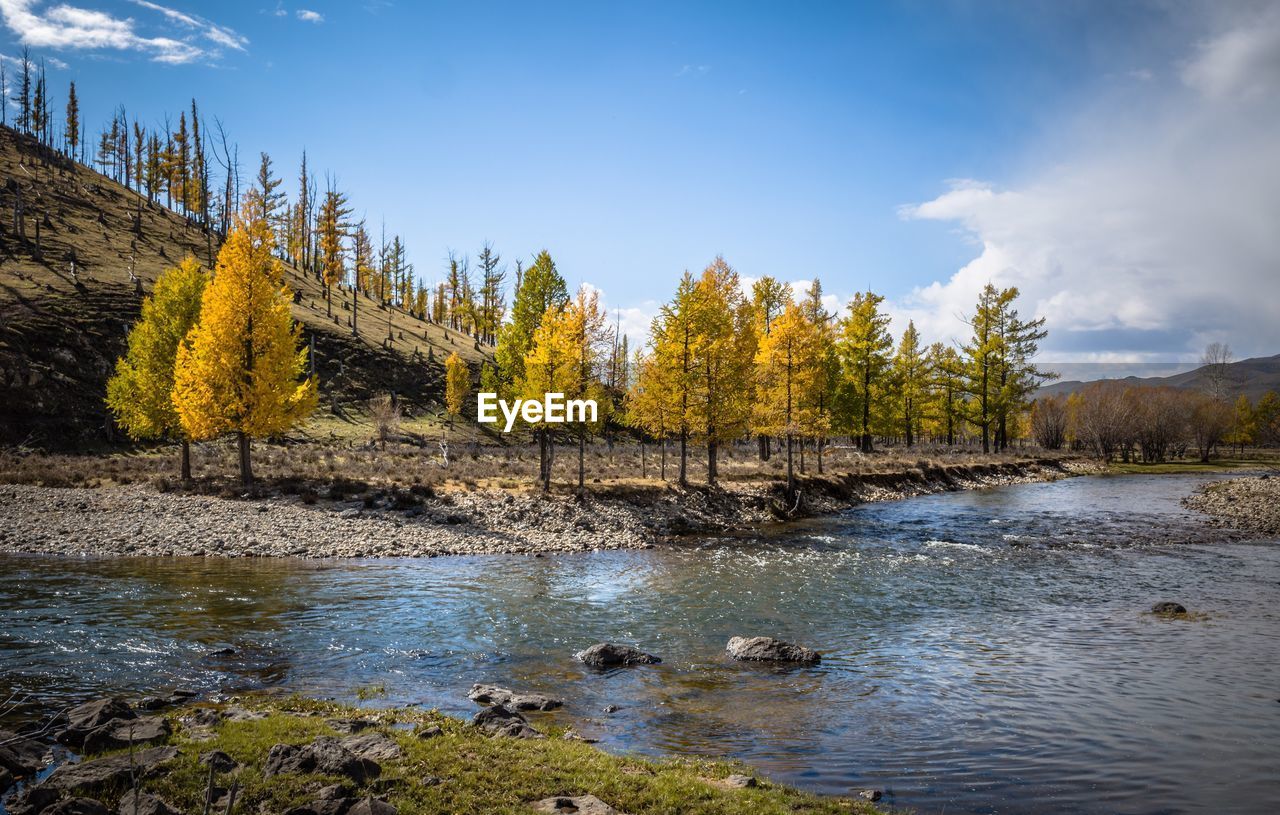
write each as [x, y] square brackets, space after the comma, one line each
[983, 651]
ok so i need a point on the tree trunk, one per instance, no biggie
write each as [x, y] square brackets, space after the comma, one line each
[711, 461]
[582, 447]
[246, 468]
[791, 476]
[186, 462]
[684, 454]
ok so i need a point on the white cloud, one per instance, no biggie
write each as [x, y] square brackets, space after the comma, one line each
[306, 15]
[72, 27]
[1156, 234]
[633, 321]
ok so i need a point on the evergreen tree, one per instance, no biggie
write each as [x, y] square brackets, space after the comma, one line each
[72, 133]
[542, 288]
[457, 384]
[909, 384]
[23, 97]
[864, 345]
[332, 229]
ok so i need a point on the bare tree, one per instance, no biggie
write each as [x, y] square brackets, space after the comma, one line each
[1049, 422]
[385, 412]
[1210, 418]
[1216, 361]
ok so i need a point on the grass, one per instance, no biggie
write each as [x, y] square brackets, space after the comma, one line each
[1193, 465]
[476, 773]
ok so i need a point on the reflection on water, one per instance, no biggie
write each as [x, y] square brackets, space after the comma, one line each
[983, 651]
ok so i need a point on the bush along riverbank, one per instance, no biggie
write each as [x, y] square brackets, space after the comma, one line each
[1251, 504]
[295, 756]
[356, 520]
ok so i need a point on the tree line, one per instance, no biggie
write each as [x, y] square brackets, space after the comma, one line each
[1143, 423]
[723, 364]
[194, 169]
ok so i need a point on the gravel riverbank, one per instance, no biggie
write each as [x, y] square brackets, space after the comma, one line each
[1251, 503]
[138, 520]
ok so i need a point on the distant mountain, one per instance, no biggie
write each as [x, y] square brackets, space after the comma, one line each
[1252, 377]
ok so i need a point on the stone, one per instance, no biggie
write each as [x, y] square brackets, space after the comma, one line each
[768, 649]
[492, 695]
[219, 761]
[609, 655]
[610, 709]
[77, 806]
[740, 782]
[123, 732]
[430, 732]
[350, 725]
[581, 804]
[375, 746]
[868, 795]
[147, 804]
[6, 780]
[20, 756]
[112, 770]
[498, 721]
[201, 717]
[324, 755]
[84, 719]
[371, 806]
[1168, 608]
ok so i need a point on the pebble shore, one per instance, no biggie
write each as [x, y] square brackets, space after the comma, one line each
[1251, 503]
[140, 521]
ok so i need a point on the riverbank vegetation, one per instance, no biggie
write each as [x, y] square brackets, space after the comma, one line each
[262, 754]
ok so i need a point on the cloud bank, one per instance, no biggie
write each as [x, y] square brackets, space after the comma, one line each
[186, 37]
[1157, 231]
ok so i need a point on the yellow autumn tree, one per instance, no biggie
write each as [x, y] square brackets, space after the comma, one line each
[457, 383]
[242, 368]
[723, 352]
[583, 339]
[649, 406]
[787, 377]
[140, 394]
[548, 368]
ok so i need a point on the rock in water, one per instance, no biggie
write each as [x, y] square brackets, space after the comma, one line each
[581, 804]
[609, 655]
[109, 771]
[768, 649]
[1168, 608]
[20, 756]
[498, 721]
[491, 695]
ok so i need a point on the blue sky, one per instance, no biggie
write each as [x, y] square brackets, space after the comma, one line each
[918, 148]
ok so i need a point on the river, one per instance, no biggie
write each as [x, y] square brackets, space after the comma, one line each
[984, 651]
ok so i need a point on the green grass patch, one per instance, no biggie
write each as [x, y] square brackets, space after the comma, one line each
[463, 770]
[1167, 467]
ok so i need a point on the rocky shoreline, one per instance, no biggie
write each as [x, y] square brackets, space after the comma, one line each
[1251, 503]
[138, 520]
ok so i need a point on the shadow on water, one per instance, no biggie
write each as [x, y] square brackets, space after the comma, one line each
[983, 651]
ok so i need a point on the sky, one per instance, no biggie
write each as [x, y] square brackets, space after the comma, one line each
[1118, 162]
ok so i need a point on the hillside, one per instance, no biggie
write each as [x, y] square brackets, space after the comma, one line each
[62, 330]
[1252, 377]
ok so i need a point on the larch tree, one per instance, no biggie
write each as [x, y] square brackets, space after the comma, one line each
[243, 369]
[457, 384]
[363, 271]
[548, 367]
[947, 390]
[649, 406]
[981, 357]
[724, 350]
[909, 384]
[673, 340]
[826, 363]
[140, 394]
[72, 129]
[786, 372]
[864, 346]
[332, 229]
[585, 338]
[541, 287]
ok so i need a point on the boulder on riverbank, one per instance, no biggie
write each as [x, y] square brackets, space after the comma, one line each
[100, 773]
[768, 649]
[498, 721]
[511, 700]
[580, 804]
[325, 755]
[609, 655]
[19, 757]
[84, 719]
